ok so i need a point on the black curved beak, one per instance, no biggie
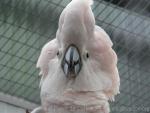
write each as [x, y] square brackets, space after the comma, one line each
[71, 63]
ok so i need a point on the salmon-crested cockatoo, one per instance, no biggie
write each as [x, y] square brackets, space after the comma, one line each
[79, 67]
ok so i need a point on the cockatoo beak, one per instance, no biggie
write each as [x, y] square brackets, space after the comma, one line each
[71, 63]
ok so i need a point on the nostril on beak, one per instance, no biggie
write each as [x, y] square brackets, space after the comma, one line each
[71, 63]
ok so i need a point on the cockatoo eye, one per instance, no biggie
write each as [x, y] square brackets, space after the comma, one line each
[59, 53]
[87, 55]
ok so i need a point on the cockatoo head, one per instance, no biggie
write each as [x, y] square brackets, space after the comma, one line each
[81, 52]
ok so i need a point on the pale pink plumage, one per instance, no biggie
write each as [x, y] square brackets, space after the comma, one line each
[98, 80]
[48, 52]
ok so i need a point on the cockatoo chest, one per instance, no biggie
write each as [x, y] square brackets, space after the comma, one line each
[75, 102]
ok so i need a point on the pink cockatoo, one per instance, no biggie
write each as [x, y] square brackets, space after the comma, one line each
[79, 67]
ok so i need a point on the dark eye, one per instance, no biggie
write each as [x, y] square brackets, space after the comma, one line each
[87, 55]
[58, 53]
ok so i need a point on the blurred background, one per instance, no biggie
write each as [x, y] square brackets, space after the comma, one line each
[26, 25]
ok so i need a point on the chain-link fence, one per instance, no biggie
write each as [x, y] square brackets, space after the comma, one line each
[26, 25]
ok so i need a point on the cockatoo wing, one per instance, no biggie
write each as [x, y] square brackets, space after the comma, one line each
[101, 50]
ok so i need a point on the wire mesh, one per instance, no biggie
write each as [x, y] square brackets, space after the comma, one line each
[26, 25]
